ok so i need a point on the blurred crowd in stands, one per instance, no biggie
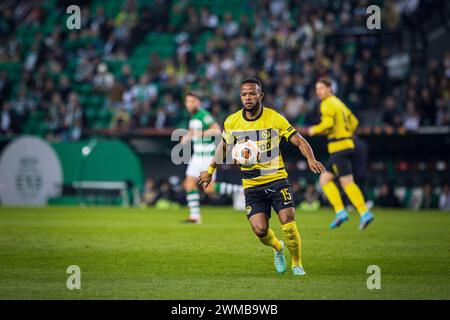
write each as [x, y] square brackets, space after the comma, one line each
[61, 83]
[288, 44]
[59, 59]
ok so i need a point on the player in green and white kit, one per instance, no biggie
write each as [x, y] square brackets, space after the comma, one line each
[202, 129]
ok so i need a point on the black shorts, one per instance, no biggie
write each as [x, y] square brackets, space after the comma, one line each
[276, 195]
[340, 163]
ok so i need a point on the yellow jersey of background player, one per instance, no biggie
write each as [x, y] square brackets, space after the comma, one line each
[338, 123]
[266, 185]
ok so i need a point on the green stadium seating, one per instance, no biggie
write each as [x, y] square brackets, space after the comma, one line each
[161, 44]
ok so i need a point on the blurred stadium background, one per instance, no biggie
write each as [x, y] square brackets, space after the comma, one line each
[106, 97]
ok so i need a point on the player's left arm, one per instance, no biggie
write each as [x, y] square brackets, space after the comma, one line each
[306, 150]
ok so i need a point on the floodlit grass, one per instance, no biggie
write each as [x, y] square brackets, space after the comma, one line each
[149, 254]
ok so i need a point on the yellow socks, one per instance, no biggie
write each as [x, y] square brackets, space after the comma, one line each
[271, 240]
[353, 193]
[356, 197]
[293, 242]
[332, 192]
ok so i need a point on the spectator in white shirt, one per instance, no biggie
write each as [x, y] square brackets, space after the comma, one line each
[411, 121]
[144, 90]
[103, 80]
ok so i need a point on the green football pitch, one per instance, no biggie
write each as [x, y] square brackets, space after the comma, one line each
[149, 254]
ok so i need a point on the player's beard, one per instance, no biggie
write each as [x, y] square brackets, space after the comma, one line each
[253, 109]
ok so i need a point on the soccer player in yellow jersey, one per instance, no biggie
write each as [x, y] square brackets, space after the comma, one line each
[265, 183]
[338, 123]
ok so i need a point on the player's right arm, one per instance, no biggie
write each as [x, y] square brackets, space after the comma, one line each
[326, 120]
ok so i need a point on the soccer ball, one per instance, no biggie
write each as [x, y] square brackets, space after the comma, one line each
[246, 153]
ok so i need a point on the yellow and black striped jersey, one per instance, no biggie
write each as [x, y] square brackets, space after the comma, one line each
[338, 123]
[266, 130]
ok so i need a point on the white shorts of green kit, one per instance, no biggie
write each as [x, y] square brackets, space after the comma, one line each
[198, 164]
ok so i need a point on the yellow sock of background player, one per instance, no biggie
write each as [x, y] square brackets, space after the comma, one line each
[293, 242]
[356, 197]
[333, 195]
[271, 240]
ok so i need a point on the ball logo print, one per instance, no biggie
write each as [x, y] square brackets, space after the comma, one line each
[246, 153]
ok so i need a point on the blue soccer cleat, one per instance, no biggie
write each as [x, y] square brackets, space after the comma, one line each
[298, 271]
[341, 217]
[279, 260]
[366, 219]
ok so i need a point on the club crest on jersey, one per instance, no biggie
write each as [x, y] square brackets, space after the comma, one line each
[265, 134]
[248, 209]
